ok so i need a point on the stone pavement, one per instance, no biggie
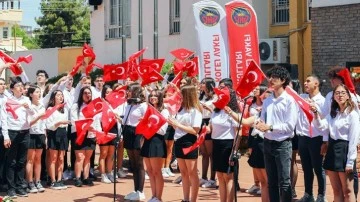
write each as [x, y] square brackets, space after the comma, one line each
[172, 192]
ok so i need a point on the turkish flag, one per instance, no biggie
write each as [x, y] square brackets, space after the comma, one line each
[93, 108]
[177, 79]
[7, 59]
[303, 104]
[91, 66]
[11, 106]
[88, 52]
[253, 77]
[79, 62]
[115, 72]
[117, 98]
[191, 67]
[156, 64]
[198, 142]
[223, 97]
[345, 74]
[82, 126]
[108, 118]
[150, 123]
[103, 137]
[150, 76]
[182, 53]
[26, 59]
[173, 103]
[51, 111]
[137, 54]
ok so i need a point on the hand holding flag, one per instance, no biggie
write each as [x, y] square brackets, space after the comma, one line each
[82, 126]
[152, 121]
[253, 77]
[198, 142]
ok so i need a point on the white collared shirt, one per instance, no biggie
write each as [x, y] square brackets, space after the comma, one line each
[95, 92]
[137, 112]
[166, 115]
[206, 114]
[345, 126]
[75, 116]
[303, 125]
[39, 127]
[223, 126]
[55, 118]
[325, 110]
[282, 114]
[192, 117]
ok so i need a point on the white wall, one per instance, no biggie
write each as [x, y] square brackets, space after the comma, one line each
[325, 3]
[109, 51]
[46, 59]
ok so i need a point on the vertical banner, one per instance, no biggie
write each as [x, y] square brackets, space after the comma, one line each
[243, 38]
[210, 24]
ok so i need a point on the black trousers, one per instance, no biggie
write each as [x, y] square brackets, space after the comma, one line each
[311, 161]
[16, 157]
[277, 156]
[72, 139]
[2, 160]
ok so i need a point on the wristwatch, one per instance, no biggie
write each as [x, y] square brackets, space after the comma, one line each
[271, 128]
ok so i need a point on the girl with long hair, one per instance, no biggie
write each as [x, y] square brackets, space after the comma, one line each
[187, 125]
[57, 142]
[154, 149]
[340, 147]
[37, 141]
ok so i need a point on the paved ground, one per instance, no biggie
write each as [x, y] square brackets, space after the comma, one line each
[172, 192]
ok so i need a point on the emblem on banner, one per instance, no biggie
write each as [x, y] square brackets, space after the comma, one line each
[209, 16]
[241, 16]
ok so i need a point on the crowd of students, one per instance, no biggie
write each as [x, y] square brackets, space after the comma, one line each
[33, 146]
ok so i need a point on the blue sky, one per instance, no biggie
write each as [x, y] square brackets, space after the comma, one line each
[30, 11]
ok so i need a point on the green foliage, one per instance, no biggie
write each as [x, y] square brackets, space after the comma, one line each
[63, 20]
[28, 41]
[165, 69]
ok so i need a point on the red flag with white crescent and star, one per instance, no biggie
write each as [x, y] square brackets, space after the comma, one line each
[156, 64]
[82, 126]
[117, 97]
[152, 121]
[198, 142]
[50, 111]
[253, 77]
[115, 72]
[182, 53]
[173, 103]
[177, 79]
[223, 97]
[103, 137]
[108, 118]
[150, 75]
[93, 108]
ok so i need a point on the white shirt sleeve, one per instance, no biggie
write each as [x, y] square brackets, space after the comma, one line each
[353, 138]
[3, 117]
[163, 128]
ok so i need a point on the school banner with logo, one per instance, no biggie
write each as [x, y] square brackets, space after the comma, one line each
[210, 24]
[242, 38]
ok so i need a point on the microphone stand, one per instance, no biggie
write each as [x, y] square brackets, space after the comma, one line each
[117, 140]
[234, 155]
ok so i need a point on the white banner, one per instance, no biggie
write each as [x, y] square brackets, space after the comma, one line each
[210, 24]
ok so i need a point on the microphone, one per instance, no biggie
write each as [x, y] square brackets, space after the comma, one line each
[249, 96]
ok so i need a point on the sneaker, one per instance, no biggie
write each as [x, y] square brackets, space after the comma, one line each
[258, 192]
[202, 182]
[138, 196]
[164, 173]
[62, 185]
[168, 171]
[209, 184]
[55, 186]
[121, 173]
[147, 176]
[253, 189]
[78, 182]
[154, 199]
[111, 177]
[307, 198]
[105, 179]
[21, 193]
[321, 198]
[32, 188]
[39, 187]
[174, 165]
[88, 182]
[130, 195]
[177, 180]
[11, 193]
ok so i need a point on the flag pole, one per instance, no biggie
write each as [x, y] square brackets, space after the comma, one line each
[156, 35]
[140, 38]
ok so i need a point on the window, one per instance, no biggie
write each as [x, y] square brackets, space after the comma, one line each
[280, 11]
[5, 32]
[115, 19]
[309, 6]
[174, 16]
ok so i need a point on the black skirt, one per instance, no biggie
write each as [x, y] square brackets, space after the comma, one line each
[256, 159]
[169, 134]
[88, 144]
[221, 154]
[57, 140]
[295, 143]
[184, 142]
[112, 142]
[336, 155]
[37, 141]
[206, 122]
[154, 147]
[131, 140]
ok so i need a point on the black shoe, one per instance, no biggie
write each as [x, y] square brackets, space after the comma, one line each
[294, 195]
[88, 182]
[62, 185]
[78, 182]
[11, 193]
[21, 192]
[55, 186]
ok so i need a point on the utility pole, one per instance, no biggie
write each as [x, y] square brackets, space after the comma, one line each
[156, 36]
[140, 26]
[123, 34]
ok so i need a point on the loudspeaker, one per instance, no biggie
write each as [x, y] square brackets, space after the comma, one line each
[95, 2]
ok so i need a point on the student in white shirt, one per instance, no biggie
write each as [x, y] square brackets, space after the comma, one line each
[154, 149]
[134, 111]
[2, 148]
[58, 143]
[41, 79]
[99, 84]
[187, 125]
[340, 148]
[37, 141]
[207, 97]
[16, 138]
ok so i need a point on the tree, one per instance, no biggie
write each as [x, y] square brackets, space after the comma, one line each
[67, 20]
[28, 41]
